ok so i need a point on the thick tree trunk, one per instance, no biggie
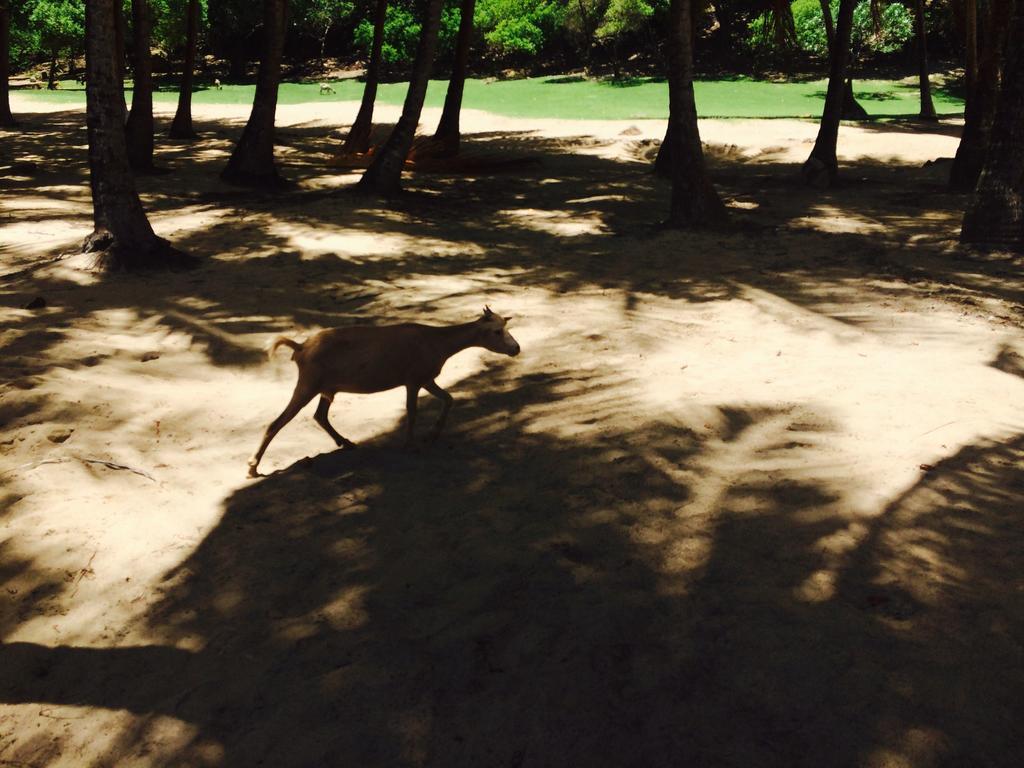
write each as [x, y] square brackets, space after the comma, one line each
[252, 162]
[358, 139]
[139, 127]
[822, 167]
[6, 118]
[995, 214]
[970, 45]
[448, 133]
[119, 36]
[122, 237]
[181, 127]
[921, 41]
[695, 203]
[663, 161]
[384, 176]
[981, 98]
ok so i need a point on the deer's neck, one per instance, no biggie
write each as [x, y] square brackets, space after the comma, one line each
[453, 339]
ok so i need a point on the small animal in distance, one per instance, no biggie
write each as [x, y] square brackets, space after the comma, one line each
[366, 359]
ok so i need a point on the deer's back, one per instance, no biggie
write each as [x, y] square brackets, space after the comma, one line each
[371, 358]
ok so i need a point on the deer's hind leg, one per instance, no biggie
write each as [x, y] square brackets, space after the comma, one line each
[446, 400]
[303, 394]
[321, 418]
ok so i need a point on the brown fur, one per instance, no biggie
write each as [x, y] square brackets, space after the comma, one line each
[365, 359]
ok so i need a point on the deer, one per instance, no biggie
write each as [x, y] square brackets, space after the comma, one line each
[217, 85]
[375, 358]
[325, 88]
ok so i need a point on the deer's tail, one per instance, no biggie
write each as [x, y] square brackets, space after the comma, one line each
[285, 342]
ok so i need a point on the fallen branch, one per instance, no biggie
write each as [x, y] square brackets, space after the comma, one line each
[936, 429]
[83, 572]
[104, 462]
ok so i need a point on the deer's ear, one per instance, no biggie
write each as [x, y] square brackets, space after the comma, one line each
[509, 318]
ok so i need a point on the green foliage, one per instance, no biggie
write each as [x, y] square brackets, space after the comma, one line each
[402, 28]
[170, 25]
[24, 37]
[515, 35]
[401, 32]
[316, 17]
[516, 27]
[56, 26]
[895, 28]
[809, 25]
[582, 18]
[623, 17]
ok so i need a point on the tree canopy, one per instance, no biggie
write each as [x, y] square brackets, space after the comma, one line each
[521, 34]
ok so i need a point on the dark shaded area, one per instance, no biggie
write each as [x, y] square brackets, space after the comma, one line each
[1009, 361]
[464, 607]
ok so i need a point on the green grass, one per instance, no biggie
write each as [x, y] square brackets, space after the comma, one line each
[569, 98]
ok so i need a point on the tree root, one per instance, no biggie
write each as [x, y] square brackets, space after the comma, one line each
[113, 255]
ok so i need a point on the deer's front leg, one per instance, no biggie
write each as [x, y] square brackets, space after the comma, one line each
[411, 394]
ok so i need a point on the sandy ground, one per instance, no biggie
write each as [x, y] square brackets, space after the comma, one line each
[747, 498]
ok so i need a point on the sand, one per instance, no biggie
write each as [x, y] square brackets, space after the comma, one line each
[747, 498]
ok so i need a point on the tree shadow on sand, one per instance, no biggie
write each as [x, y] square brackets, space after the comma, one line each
[592, 595]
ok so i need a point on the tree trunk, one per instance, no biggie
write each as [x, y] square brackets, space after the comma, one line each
[6, 118]
[119, 36]
[384, 176]
[358, 139]
[970, 45]
[181, 127]
[122, 236]
[51, 78]
[981, 98]
[995, 214]
[252, 162]
[830, 28]
[663, 162]
[921, 40]
[695, 203]
[822, 167]
[323, 46]
[238, 60]
[448, 133]
[139, 127]
[852, 109]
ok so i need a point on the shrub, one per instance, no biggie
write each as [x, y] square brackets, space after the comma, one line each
[402, 28]
[517, 27]
[895, 28]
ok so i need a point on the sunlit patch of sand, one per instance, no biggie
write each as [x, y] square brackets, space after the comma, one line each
[554, 222]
